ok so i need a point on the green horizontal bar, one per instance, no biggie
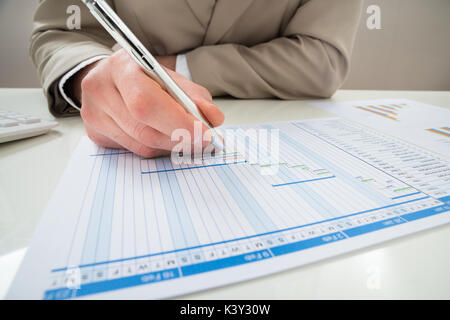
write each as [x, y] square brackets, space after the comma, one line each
[402, 189]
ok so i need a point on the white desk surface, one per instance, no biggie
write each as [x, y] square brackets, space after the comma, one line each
[416, 266]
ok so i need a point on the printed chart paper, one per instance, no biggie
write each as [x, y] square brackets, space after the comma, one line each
[119, 226]
[419, 123]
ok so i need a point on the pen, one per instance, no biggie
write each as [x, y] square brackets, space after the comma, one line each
[125, 37]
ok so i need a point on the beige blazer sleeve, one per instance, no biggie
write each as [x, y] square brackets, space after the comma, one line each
[55, 50]
[310, 58]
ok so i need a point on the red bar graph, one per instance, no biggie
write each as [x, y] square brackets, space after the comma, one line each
[379, 111]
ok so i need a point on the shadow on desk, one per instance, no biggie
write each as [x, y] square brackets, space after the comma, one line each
[16, 146]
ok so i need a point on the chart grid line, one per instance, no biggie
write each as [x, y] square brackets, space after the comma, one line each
[243, 238]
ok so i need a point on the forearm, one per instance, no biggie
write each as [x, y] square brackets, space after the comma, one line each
[309, 58]
[286, 68]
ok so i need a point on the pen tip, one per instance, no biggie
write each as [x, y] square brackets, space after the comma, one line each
[217, 143]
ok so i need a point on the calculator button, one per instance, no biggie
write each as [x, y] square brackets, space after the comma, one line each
[5, 123]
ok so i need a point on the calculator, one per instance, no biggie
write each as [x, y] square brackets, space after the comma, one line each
[15, 126]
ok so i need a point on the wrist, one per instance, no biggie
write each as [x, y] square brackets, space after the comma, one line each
[74, 83]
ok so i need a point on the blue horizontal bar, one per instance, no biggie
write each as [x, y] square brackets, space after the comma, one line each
[397, 220]
[113, 284]
[306, 244]
[110, 154]
[236, 239]
[445, 199]
[353, 232]
[426, 213]
[120, 283]
[225, 262]
[406, 195]
[302, 181]
[197, 167]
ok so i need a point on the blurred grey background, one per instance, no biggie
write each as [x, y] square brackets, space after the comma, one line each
[411, 51]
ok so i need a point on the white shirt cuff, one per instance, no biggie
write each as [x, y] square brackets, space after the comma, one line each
[70, 74]
[182, 66]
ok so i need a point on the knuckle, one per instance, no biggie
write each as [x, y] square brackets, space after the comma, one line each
[131, 68]
[88, 116]
[138, 104]
[90, 83]
[139, 132]
[85, 113]
[123, 63]
[113, 60]
[117, 58]
[118, 137]
[137, 110]
[95, 138]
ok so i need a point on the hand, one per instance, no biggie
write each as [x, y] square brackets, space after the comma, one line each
[122, 107]
[170, 62]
